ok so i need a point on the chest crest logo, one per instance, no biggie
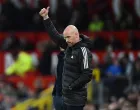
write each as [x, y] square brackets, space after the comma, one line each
[72, 56]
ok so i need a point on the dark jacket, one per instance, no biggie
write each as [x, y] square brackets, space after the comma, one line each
[77, 67]
[57, 91]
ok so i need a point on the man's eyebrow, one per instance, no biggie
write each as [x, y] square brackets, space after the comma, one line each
[66, 36]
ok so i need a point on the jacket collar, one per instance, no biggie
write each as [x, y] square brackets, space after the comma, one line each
[77, 45]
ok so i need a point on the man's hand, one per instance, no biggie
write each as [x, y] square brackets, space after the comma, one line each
[44, 13]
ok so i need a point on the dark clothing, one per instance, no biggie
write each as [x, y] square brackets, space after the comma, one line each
[76, 74]
[45, 61]
[77, 68]
[57, 91]
[58, 102]
[69, 107]
[135, 75]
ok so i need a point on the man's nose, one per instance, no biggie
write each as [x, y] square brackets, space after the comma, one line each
[66, 40]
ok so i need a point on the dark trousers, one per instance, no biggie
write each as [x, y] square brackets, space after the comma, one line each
[69, 107]
[58, 102]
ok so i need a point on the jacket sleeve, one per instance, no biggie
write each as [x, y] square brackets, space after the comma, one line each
[85, 58]
[54, 35]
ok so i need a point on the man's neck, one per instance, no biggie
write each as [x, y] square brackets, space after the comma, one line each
[76, 43]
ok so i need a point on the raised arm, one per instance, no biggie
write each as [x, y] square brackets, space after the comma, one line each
[53, 33]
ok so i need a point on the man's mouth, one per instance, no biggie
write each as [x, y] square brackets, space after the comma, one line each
[69, 44]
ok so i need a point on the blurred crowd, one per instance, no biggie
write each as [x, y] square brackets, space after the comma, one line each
[16, 44]
[20, 96]
[92, 15]
[115, 84]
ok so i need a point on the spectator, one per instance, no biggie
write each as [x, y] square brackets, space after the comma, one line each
[136, 72]
[126, 65]
[116, 4]
[99, 43]
[133, 42]
[113, 73]
[23, 63]
[115, 43]
[22, 91]
[61, 9]
[108, 57]
[38, 85]
[114, 69]
[96, 24]
[11, 41]
[46, 49]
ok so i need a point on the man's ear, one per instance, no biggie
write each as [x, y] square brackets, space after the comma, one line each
[76, 33]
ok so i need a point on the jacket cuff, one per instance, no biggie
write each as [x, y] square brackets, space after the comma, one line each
[47, 22]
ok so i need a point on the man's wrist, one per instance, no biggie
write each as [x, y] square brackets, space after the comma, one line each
[45, 17]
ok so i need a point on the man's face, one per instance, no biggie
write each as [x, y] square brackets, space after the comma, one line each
[70, 38]
[71, 35]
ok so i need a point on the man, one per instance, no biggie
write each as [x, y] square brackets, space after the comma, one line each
[57, 91]
[77, 63]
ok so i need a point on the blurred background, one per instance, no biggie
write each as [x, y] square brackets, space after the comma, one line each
[28, 58]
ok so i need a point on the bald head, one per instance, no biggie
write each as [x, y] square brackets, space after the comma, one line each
[71, 29]
[71, 35]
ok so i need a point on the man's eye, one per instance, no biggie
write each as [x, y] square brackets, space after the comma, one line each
[66, 37]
